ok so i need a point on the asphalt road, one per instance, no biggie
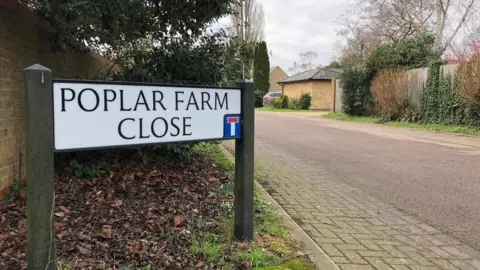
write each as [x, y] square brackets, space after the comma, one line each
[433, 176]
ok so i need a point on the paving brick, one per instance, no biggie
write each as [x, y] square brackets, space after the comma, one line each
[331, 250]
[348, 238]
[340, 259]
[355, 267]
[419, 258]
[359, 236]
[445, 264]
[394, 252]
[357, 230]
[378, 264]
[370, 245]
[400, 267]
[440, 252]
[369, 253]
[354, 257]
[463, 265]
[418, 267]
[401, 261]
[325, 240]
[455, 252]
[343, 247]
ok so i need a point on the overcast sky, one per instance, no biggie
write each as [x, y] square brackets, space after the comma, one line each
[294, 26]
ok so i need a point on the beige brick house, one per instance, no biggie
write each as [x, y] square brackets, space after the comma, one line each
[276, 74]
[319, 82]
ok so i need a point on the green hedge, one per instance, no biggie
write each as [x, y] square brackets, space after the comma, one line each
[442, 102]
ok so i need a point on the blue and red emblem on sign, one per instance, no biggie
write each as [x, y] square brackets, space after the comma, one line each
[232, 126]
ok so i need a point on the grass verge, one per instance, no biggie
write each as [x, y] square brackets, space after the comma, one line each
[271, 109]
[273, 247]
[440, 128]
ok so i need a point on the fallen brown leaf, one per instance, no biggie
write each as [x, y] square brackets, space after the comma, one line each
[117, 203]
[107, 231]
[63, 209]
[178, 220]
[60, 225]
[83, 250]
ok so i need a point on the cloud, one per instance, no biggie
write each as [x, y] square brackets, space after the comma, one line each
[295, 26]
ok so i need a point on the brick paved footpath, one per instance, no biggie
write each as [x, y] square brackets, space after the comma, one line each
[355, 229]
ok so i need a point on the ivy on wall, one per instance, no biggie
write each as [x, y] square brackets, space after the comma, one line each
[442, 102]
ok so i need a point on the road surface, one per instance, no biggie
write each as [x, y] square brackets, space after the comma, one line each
[435, 177]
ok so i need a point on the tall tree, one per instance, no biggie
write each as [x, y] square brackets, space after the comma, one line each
[104, 26]
[393, 21]
[261, 75]
[247, 27]
[334, 64]
[253, 19]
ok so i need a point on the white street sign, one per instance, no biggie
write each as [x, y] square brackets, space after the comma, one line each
[105, 114]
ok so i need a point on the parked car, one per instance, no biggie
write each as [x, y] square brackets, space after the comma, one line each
[270, 97]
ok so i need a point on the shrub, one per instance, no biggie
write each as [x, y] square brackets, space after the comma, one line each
[390, 93]
[411, 53]
[281, 103]
[259, 98]
[469, 76]
[356, 98]
[305, 101]
[442, 101]
[294, 104]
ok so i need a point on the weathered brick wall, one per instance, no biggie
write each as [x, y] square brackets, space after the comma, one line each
[322, 95]
[296, 89]
[25, 39]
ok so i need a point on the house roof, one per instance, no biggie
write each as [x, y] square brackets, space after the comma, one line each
[273, 68]
[314, 74]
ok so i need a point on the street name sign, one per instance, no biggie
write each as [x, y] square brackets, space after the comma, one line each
[76, 115]
[92, 114]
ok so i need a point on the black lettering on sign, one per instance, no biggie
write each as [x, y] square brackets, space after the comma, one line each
[172, 121]
[165, 127]
[205, 100]
[122, 108]
[141, 102]
[65, 99]
[177, 99]
[141, 130]
[80, 103]
[106, 99]
[185, 125]
[219, 103]
[192, 101]
[120, 129]
[158, 100]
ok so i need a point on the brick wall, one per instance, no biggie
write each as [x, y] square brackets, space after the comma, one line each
[296, 89]
[25, 39]
[322, 93]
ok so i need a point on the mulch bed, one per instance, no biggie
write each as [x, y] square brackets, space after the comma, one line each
[131, 214]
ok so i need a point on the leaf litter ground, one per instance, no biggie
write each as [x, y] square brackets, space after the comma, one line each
[136, 212]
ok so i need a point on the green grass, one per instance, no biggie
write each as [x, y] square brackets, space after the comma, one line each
[271, 109]
[344, 117]
[295, 264]
[272, 246]
[428, 127]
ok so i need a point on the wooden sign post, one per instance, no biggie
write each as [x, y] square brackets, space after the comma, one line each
[76, 115]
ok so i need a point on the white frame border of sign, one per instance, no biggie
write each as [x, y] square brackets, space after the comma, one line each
[161, 87]
[40, 149]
